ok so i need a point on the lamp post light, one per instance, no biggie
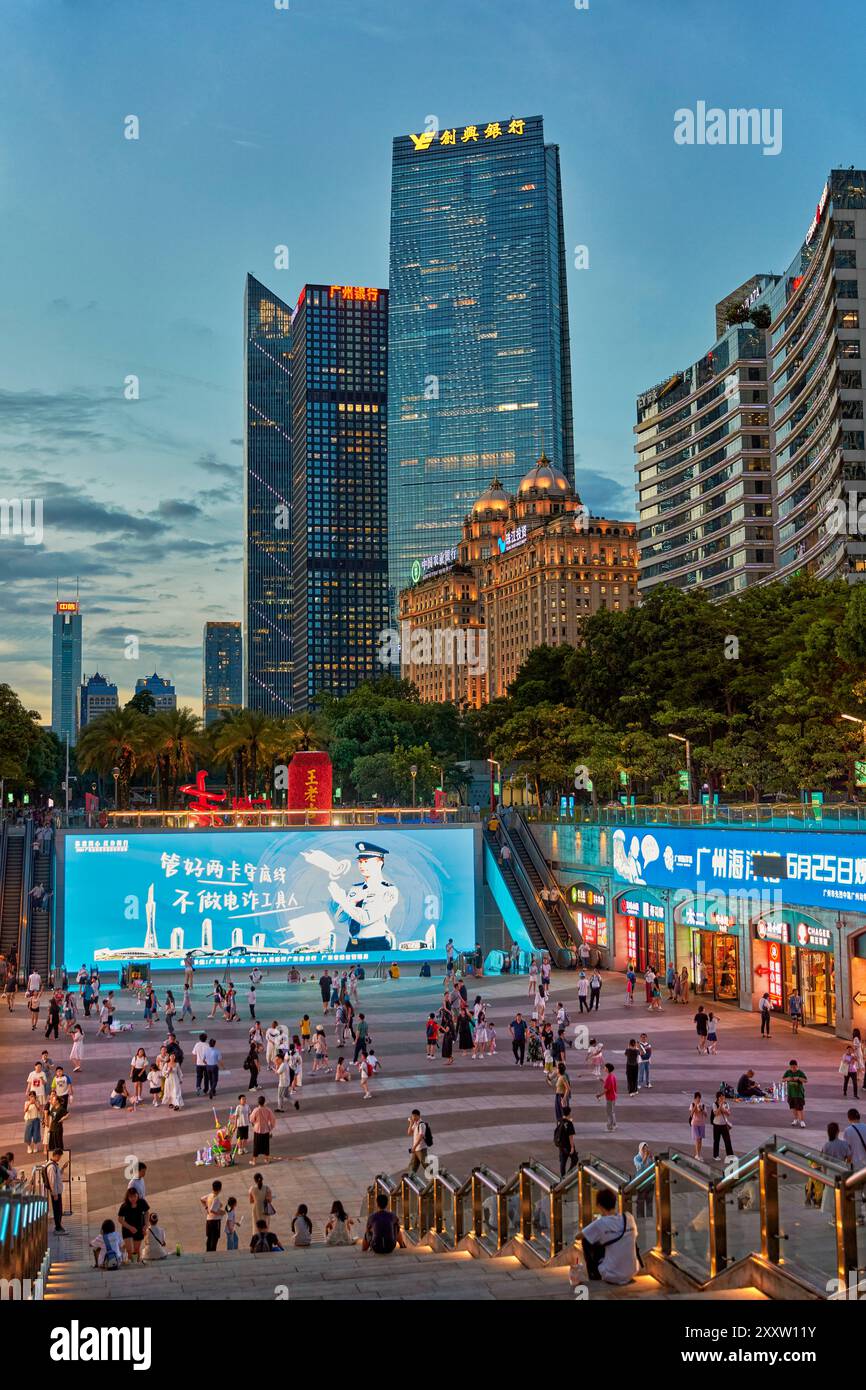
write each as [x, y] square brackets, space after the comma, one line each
[414, 772]
[679, 739]
[853, 719]
[494, 764]
[115, 772]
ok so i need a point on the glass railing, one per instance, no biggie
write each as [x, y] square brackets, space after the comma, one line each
[784, 1203]
[773, 816]
[24, 1255]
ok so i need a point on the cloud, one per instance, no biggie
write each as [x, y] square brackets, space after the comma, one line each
[211, 464]
[175, 510]
[605, 496]
[69, 417]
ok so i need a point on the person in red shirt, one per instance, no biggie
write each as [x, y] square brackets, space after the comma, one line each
[432, 1035]
[609, 1092]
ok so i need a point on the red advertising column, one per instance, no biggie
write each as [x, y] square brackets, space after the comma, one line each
[310, 786]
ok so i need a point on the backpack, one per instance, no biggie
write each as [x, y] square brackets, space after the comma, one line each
[110, 1261]
[428, 1135]
[261, 1245]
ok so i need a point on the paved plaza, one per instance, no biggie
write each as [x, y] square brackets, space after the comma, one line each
[481, 1111]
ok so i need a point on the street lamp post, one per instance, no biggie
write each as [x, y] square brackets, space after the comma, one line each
[115, 772]
[679, 739]
[414, 772]
[494, 764]
[853, 719]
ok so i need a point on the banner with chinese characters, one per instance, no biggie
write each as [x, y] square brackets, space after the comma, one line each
[818, 868]
[310, 784]
[232, 898]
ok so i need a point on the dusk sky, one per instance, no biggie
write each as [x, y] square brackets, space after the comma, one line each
[261, 127]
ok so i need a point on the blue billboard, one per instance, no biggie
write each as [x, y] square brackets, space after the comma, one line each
[806, 868]
[267, 897]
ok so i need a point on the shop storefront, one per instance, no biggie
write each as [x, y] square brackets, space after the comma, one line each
[639, 925]
[588, 906]
[708, 939]
[792, 953]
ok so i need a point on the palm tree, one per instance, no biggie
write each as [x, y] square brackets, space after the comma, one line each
[246, 735]
[175, 741]
[119, 739]
[308, 732]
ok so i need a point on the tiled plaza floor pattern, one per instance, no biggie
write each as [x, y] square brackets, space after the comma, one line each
[481, 1111]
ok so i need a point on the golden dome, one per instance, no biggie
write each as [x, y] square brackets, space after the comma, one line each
[545, 479]
[495, 499]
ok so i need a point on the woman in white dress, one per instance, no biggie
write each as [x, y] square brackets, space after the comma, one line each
[76, 1055]
[533, 979]
[172, 1093]
[481, 1034]
[338, 1227]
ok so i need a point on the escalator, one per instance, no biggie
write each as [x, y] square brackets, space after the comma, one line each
[524, 917]
[541, 876]
[12, 904]
[40, 917]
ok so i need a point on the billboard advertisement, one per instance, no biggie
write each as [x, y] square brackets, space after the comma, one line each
[266, 897]
[799, 867]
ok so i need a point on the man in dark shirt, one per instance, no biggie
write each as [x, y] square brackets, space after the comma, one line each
[632, 1062]
[383, 1233]
[325, 990]
[518, 1039]
[133, 1214]
[557, 1047]
[565, 1142]
[747, 1086]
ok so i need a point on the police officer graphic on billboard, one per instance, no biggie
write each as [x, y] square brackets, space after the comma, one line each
[367, 905]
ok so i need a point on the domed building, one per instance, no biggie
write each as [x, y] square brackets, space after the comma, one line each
[528, 569]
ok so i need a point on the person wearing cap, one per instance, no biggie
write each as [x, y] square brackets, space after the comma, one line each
[368, 905]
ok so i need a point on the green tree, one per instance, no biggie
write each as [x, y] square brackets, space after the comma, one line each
[118, 738]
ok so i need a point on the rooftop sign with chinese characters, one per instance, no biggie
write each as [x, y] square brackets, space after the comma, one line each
[433, 564]
[806, 868]
[512, 539]
[350, 294]
[67, 606]
[468, 134]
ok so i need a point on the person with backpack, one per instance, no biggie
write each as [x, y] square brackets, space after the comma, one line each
[264, 1241]
[361, 1037]
[422, 1138]
[595, 984]
[107, 1247]
[720, 1118]
[610, 1242]
[432, 1034]
[52, 1176]
[383, 1233]
[645, 1052]
[564, 1139]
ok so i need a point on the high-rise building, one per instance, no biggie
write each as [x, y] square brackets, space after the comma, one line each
[703, 463]
[267, 634]
[817, 314]
[222, 670]
[162, 690]
[98, 695]
[65, 669]
[528, 569]
[479, 371]
[752, 463]
[339, 489]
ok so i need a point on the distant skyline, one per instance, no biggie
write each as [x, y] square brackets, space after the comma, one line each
[128, 257]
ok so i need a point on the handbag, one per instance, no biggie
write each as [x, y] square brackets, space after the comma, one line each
[270, 1209]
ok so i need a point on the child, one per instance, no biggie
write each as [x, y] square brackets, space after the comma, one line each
[491, 1038]
[154, 1240]
[562, 1019]
[595, 1057]
[548, 1063]
[372, 1059]
[712, 1033]
[154, 1083]
[342, 1072]
[302, 1226]
[534, 1052]
[609, 1090]
[32, 1123]
[233, 1222]
[305, 1032]
[107, 1248]
[241, 1117]
[432, 1032]
[364, 1076]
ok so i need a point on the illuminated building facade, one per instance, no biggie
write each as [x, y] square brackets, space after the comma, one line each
[267, 634]
[162, 690]
[65, 669]
[98, 696]
[529, 568]
[479, 374]
[340, 479]
[222, 667]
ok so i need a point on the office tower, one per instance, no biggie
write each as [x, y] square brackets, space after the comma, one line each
[817, 316]
[162, 690]
[267, 635]
[222, 670]
[527, 568]
[479, 372]
[703, 462]
[98, 695]
[339, 492]
[65, 669]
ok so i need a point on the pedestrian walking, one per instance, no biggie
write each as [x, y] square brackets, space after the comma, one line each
[212, 1059]
[795, 1080]
[766, 1010]
[186, 1007]
[632, 1064]
[241, 1117]
[517, 1029]
[364, 1076]
[582, 992]
[795, 1009]
[138, 1069]
[263, 1123]
[296, 1063]
[848, 1070]
[698, 1122]
[76, 1052]
[720, 1117]
[561, 1083]
[418, 1131]
[361, 1035]
[701, 1029]
[609, 1091]
[595, 983]
[645, 1051]
[712, 1033]
[53, 1179]
[564, 1139]
[630, 982]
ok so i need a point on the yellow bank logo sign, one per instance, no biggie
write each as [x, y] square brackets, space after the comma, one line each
[469, 134]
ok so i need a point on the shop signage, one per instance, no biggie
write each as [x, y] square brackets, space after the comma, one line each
[585, 895]
[512, 539]
[432, 564]
[468, 134]
[693, 915]
[351, 293]
[806, 934]
[775, 975]
[634, 907]
[815, 868]
[592, 928]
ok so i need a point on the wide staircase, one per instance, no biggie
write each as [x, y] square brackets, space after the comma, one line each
[11, 887]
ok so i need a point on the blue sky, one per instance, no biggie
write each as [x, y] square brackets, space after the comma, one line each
[261, 127]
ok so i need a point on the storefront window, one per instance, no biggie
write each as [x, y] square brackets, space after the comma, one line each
[818, 987]
[715, 967]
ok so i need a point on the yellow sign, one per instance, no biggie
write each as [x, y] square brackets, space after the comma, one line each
[470, 134]
[347, 292]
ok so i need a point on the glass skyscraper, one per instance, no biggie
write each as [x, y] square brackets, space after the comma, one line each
[222, 687]
[479, 371]
[267, 638]
[65, 669]
[339, 492]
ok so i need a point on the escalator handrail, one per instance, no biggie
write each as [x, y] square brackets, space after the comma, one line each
[540, 918]
[527, 841]
[4, 844]
[26, 885]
